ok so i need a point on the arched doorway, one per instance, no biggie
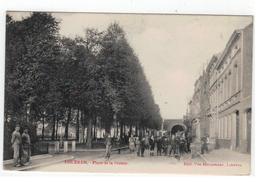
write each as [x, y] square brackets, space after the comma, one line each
[177, 127]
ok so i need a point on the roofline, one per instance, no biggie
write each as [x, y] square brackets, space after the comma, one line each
[233, 37]
[212, 60]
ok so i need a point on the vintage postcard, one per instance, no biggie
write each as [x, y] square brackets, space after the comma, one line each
[128, 93]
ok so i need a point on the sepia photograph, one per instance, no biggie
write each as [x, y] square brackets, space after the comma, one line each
[128, 93]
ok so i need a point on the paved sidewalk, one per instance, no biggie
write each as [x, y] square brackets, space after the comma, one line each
[39, 162]
[227, 162]
[49, 159]
[226, 155]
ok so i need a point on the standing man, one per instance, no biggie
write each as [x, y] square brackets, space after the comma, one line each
[16, 144]
[189, 140]
[172, 145]
[204, 145]
[159, 146]
[108, 143]
[142, 146]
[26, 148]
[182, 143]
[177, 145]
[147, 144]
[152, 145]
[164, 144]
[137, 146]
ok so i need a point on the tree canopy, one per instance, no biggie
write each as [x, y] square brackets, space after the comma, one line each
[49, 77]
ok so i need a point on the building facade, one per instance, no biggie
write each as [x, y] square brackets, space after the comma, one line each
[198, 107]
[230, 92]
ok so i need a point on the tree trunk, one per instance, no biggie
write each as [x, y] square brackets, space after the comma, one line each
[26, 115]
[89, 129]
[53, 126]
[77, 126]
[43, 122]
[136, 130]
[116, 129]
[57, 126]
[130, 131]
[67, 124]
[94, 130]
[143, 131]
[121, 130]
[84, 126]
[6, 117]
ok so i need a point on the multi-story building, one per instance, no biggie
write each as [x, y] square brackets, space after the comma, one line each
[230, 92]
[198, 107]
[212, 113]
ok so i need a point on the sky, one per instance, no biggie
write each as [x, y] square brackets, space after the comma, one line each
[173, 49]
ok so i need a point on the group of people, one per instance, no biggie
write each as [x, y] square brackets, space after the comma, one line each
[174, 144]
[169, 145]
[21, 145]
[142, 144]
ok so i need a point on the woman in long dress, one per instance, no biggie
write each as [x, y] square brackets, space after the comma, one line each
[132, 144]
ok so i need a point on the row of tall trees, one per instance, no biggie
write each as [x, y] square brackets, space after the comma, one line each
[52, 79]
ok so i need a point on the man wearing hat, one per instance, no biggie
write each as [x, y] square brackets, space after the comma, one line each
[16, 143]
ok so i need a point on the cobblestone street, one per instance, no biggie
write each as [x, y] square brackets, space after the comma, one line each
[216, 162]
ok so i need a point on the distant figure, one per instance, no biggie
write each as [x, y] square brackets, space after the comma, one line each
[16, 144]
[178, 133]
[142, 146]
[169, 146]
[164, 144]
[188, 141]
[217, 141]
[172, 145]
[183, 146]
[108, 143]
[132, 144]
[159, 146]
[177, 145]
[137, 146]
[152, 145]
[147, 144]
[26, 148]
[204, 144]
